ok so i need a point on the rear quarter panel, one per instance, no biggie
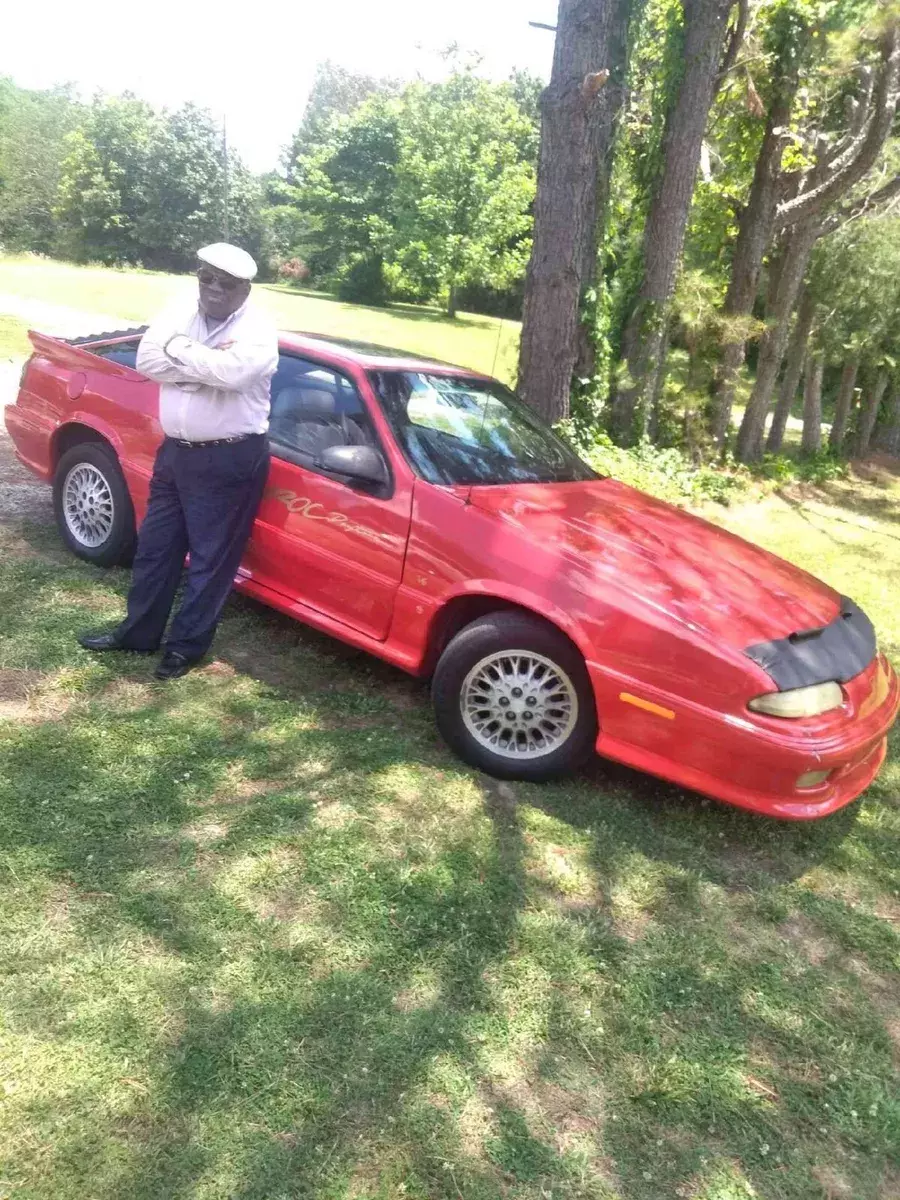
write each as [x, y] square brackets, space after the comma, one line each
[65, 385]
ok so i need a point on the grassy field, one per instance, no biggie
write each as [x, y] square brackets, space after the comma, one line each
[482, 343]
[262, 937]
[13, 338]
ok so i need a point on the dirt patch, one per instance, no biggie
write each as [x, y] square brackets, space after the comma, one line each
[16, 685]
[15, 692]
[834, 1184]
[801, 933]
[884, 996]
[878, 468]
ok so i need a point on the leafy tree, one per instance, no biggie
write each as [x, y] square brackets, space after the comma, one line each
[855, 279]
[184, 188]
[463, 190]
[701, 49]
[104, 182]
[335, 92]
[148, 187]
[33, 128]
[348, 193]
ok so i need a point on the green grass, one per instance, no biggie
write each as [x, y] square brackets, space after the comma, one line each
[14, 341]
[263, 937]
[483, 343]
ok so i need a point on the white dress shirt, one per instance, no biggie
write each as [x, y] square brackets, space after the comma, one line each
[215, 376]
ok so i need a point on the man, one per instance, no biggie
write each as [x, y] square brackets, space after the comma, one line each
[214, 362]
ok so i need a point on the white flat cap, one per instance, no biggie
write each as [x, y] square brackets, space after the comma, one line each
[230, 259]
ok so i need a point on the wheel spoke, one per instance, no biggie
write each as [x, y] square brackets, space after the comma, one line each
[519, 704]
[88, 506]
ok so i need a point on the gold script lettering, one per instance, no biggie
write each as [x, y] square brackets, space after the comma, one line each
[312, 510]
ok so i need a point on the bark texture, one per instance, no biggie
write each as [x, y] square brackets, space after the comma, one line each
[778, 201]
[705, 23]
[811, 442]
[774, 340]
[887, 433]
[754, 235]
[792, 372]
[578, 114]
[869, 414]
[843, 405]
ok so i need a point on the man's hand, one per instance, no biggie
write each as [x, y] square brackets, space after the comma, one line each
[224, 345]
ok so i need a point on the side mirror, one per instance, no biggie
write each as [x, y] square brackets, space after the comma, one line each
[361, 464]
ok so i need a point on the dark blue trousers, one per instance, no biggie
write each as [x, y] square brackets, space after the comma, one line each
[203, 500]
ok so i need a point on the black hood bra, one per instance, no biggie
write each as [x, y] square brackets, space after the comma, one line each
[835, 652]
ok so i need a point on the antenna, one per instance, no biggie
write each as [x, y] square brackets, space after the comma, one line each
[225, 190]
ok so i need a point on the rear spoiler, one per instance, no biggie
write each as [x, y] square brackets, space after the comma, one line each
[74, 352]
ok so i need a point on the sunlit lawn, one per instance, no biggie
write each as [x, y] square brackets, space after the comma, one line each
[13, 338]
[263, 937]
[473, 341]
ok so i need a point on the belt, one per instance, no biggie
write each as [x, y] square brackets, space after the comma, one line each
[242, 437]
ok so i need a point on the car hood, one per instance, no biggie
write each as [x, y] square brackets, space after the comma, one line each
[701, 576]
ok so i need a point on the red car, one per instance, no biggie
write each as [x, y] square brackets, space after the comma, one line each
[419, 511]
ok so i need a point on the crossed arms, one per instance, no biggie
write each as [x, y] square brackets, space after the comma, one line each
[171, 357]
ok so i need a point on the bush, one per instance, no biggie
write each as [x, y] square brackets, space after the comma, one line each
[362, 281]
[822, 468]
[292, 270]
[817, 468]
[665, 473]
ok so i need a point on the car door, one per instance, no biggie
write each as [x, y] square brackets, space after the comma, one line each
[335, 547]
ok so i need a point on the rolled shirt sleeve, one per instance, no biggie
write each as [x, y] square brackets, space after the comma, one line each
[233, 369]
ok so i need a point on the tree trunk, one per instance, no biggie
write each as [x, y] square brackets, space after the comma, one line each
[887, 433]
[754, 235]
[578, 113]
[774, 340]
[704, 35]
[843, 405]
[792, 372]
[812, 403]
[869, 414]
[659, 382]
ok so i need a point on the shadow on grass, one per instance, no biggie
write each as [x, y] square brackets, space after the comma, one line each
[409, 312]
[368, 978]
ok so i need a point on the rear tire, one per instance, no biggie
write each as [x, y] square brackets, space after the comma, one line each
[512, 697]
[93, 509]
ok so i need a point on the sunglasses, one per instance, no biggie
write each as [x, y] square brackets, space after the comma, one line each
[228, 283]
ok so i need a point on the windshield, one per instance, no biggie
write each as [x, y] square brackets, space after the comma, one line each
[455, 429]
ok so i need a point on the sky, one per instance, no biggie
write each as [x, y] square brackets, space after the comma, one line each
[252, 62]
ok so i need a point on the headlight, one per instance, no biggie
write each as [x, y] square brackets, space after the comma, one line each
[800, 702]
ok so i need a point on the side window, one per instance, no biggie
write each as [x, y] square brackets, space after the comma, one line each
[314, 407]
[124, 353]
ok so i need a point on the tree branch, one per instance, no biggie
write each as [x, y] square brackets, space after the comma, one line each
[858, 112]
[734, 44]
[867, 149]
[863, 207]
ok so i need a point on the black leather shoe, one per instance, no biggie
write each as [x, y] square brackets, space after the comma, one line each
[100, 641]
[173, 665]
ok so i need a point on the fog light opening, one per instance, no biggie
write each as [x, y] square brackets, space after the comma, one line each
[811, 779]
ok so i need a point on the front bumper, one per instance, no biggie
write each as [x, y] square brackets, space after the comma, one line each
[754, 765]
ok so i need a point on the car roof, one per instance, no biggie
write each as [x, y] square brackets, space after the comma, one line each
[367, 354]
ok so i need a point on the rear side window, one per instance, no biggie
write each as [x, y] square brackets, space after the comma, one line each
[125, 354]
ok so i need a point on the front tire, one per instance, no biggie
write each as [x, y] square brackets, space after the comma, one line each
[93, 509]
[512, 697]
